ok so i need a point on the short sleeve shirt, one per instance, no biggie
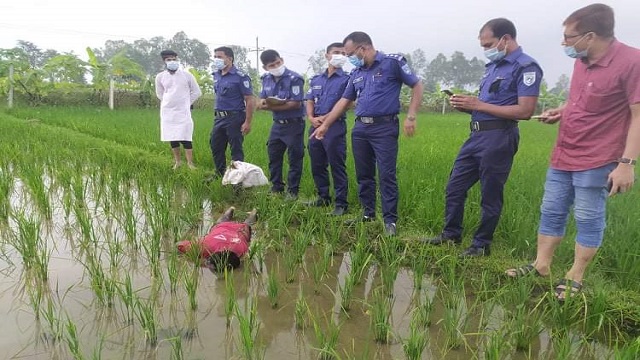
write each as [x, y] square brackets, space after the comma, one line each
[289, 86]
[231, 89]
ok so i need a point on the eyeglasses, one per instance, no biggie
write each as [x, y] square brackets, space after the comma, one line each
[567, 37]
[355, 50]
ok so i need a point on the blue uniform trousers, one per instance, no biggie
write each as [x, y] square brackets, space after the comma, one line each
[289, 137]
[377, 145]
[226, 130]
[330, 151]
[486, 156]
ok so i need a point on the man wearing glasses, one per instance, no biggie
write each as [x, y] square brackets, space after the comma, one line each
[509, 92]
[375, 83]
[597, 146]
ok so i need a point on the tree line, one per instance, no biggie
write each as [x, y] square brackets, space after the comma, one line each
[133, 65]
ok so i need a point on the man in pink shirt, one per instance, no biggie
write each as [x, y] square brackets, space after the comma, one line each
[597, 146]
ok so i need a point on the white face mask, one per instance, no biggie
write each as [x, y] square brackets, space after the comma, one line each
[277, 72]
[172, 65]
[338, 60]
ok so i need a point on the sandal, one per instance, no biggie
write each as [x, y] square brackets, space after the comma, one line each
[523, 271]
[567, 288]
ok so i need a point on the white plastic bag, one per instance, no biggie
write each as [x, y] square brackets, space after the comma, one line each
[244, 173]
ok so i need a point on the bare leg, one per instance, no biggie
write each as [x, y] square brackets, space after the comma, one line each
[582, 259]
[252, 218]
[227, 216]
[176, 157]
[188, 153]
[546, 247]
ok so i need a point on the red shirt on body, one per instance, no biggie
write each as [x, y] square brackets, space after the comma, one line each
[594, 125]
[226, 236]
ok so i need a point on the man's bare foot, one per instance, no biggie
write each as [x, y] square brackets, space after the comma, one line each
[176, 165]
[191, 166]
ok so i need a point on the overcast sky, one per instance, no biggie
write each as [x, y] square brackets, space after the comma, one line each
[296, 28]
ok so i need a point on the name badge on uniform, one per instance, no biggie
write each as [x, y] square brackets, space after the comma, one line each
[529, 78]
[317, 87]
[358, 79]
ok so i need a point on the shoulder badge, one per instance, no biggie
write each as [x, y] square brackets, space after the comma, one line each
[529, 78]
[246, 84]
[295, 90]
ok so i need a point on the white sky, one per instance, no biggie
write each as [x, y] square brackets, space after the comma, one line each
[296, 28]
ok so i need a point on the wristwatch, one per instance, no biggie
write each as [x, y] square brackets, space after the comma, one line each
[626, 161]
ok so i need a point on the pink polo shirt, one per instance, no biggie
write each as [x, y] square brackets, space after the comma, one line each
[596, 118]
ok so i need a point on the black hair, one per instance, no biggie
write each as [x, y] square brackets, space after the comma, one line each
[334, 45]
[358, 37]
[500, 27]
[219, 261]
[598, 18]
[166, 53]
[269, 56]
[227, 51]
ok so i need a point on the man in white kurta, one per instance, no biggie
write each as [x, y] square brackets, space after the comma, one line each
[177, 90]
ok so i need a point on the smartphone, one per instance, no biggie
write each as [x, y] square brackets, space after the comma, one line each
[448, 92]
[538, 117]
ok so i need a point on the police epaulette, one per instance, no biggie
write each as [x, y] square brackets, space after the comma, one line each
[398, 57]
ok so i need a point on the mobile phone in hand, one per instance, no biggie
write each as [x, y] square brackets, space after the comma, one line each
[448, 92]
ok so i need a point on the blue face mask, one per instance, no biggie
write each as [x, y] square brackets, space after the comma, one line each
[356, 61]
[218, 64]
[573, 53]
[494, 54]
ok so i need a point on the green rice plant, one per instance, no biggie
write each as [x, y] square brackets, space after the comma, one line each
[28, 240]
[96, 354]
[103, 288]
[292, 267]
[257, 253]
[36, 297]
[127, 297]
[417, 341]
[525, 326]
[230, 303]
[419, 263]
[145, 312]
[360, 259]
[326, 338]
[597, 314]
[563, 346]
[321, 266]
[52, 316]
[173, 271]
[390, 262]
[32, 176]
[496, 345]
[176, 348]
[273, 288]
[191, 286]
[422, 313]
[346, 291]
[6, 188]
[627, 351]
[152, 250]
[380, 313]
[73, 343]
[248, 330]
[455, 319]
[301, 311]
[129, 220]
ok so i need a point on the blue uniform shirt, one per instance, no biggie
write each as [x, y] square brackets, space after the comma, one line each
[325, 91]
[517, 74]
[231, 89]
[377, 88]
[290, 86]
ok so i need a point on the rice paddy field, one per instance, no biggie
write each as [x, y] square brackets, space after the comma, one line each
[91, 210]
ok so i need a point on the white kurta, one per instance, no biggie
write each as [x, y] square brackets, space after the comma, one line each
[176, 92]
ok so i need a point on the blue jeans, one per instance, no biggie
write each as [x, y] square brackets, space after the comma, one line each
[587, 192]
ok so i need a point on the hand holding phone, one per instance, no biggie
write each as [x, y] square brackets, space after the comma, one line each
[448, 92]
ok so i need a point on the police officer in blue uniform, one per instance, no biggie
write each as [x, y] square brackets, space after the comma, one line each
[233, 110]
[325, 90]
[282, 94]
[375, 83]
[508, 92]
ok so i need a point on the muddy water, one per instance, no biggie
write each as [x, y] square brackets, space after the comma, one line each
[105, 332]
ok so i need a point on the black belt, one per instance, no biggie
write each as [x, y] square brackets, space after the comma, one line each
[492, 125]
[375, 119]
[287, 121]
[222, 114]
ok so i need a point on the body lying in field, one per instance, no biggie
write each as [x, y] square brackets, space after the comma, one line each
[225, 244]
